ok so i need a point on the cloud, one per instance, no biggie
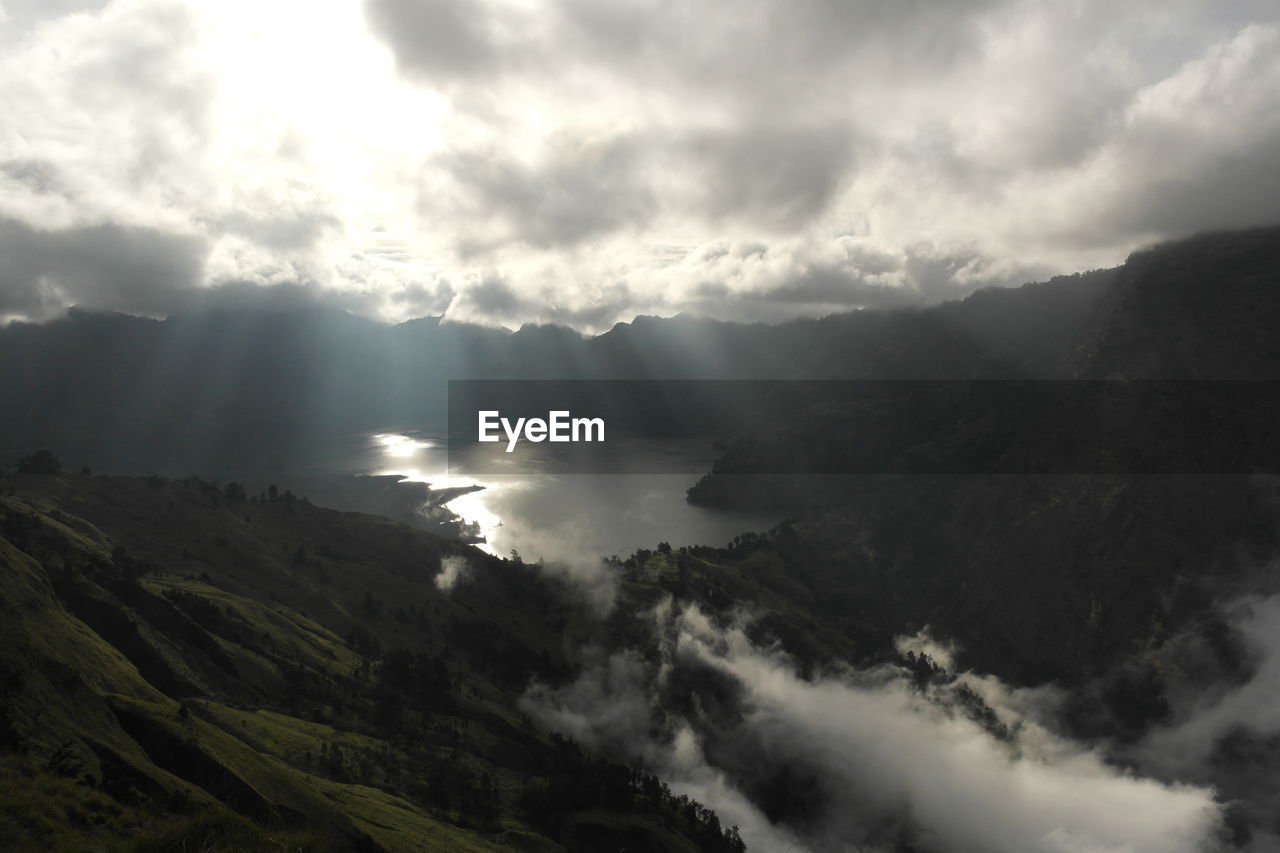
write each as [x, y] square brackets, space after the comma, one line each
[1219, 685]
[778, 177]
[580, 190]
[825, 289]
[596, 158]
[922, 643]
[35, 176]
[562, 544]
[583, 190]
[286, 230]
[18, 17]
[422, 301]
[1198, 149]
[492, 297]
[765, 53]
[453, 569]
[1206, 715]
[103, 267]
[868, 759]
[436, 38]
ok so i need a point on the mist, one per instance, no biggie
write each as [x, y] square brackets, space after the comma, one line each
[1202, 717]
[566, 523]
[882, 757]
[453, 569]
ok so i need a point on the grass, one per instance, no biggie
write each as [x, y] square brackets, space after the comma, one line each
[42, 812]
[283, 684]
[289, 632]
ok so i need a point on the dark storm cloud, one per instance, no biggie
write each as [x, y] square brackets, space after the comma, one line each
[106, 267]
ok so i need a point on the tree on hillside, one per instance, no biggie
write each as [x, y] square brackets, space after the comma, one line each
[40, 462]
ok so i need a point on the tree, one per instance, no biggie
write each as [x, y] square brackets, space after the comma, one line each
[40, 462]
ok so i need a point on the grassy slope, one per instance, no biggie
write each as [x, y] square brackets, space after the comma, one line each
[229, 657]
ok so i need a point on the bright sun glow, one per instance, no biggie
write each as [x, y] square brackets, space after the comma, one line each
[401, 446]
[404, 456]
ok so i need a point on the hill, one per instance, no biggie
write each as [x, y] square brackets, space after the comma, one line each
[183, 667]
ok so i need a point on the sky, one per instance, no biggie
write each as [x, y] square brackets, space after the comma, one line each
[586, 161]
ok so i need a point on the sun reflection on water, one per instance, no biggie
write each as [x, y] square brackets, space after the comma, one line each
[568, 518]
[401, 446]
[419, 460]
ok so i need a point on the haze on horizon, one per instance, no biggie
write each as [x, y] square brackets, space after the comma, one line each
[580, 162]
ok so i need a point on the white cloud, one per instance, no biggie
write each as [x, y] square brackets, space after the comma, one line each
[1207, 715]
[595, 156]
[883, 757]
[453, 569]
[923, 643]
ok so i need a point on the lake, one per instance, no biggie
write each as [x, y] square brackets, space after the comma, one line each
[570, 517]
[404, 474]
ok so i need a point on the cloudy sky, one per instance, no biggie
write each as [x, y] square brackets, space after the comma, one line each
[584, 161]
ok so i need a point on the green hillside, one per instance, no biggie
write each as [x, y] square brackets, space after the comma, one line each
[182, 668]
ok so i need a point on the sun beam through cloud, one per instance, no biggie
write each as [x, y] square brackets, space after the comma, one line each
[558, 161]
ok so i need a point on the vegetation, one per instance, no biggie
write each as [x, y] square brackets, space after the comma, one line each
[177, 668]
[40, 462]
[185, 665]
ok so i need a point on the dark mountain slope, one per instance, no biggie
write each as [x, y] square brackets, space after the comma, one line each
[1043, 576]
[181, 664]
[265, 388]
[1203, 308]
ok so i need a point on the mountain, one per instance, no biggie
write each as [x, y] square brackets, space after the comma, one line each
[1200, 308]
[268, 388]
[182, 667]
[1172, 330]
[186, 663]
[946, 535]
